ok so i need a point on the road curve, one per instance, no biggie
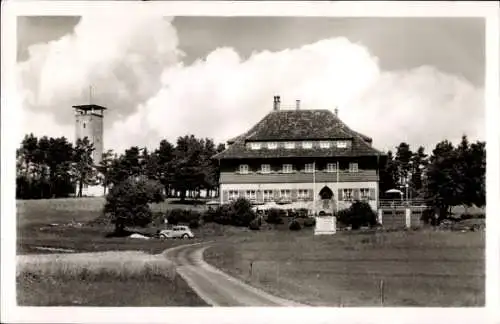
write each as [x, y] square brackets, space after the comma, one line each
[215, 287]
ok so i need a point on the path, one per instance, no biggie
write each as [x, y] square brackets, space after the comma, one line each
[214, 286]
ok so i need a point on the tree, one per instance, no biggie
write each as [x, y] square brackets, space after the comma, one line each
[83, 165]
[127, 203]
[419, 164]
[444, 186]
[164, 156]
[388, 173]
[403, 161]
[105, 168]
[187, 168]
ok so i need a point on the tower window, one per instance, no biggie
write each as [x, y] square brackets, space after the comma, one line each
[84, 125]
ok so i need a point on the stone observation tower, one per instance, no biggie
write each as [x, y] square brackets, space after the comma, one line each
[89, 123]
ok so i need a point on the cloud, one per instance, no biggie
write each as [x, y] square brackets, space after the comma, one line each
[138, 72]
[121, 56]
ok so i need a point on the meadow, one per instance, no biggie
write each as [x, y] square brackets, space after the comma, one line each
[100, 270]
[406, 268]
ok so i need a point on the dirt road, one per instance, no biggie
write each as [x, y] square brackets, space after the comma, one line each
[214, 286]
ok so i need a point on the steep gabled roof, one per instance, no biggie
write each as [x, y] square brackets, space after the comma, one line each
[295, 125]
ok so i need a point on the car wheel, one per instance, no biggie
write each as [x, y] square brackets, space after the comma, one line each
[185, 236]
[163, 237]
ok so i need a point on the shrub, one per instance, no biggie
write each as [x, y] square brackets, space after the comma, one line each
[309, 222]
[255, 224]
[241, 212]
[294, 225]
[274, 216]
[359, 214]
[185, 216]
[222, 215]
[194, 223]
[302, 212]
[127, 203]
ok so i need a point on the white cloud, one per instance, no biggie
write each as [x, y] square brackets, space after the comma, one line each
[138, 75]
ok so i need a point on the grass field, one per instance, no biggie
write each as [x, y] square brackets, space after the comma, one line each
[66, 224]
[118, 278]
[417, 268]
[101, 279]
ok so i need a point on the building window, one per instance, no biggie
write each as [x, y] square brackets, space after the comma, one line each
[255, 146]
[307, 145]
[347, 194]
[331, 167]
[84, 125]
[364, 193]
[244, 168]
[309, 167]
[233, 194]
[285, 193]
[303, 194]
[324, 144]
[251, 194]
[268, 195]
[342, 144]
[287, 168]
[266, 168]
[272, 145]
[289, 145]
[353, 167]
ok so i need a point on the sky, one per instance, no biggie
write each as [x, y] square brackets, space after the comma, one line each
[418, 80]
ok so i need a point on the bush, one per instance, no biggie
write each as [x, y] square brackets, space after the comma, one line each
[359, 214]
[309, 222]
[255, 224]
[127, 203]
[238, 213]
[274, 216]
[194, 223]
[185, 216]
[302, 213]
[294, 225]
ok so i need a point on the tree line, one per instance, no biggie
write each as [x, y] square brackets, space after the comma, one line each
[449, 176]
[55, 168]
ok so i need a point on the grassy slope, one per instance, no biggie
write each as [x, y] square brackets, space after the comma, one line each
[424, 268]
[71, 231]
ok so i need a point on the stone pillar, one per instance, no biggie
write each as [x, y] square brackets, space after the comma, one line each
[380, 213]
[408, 217]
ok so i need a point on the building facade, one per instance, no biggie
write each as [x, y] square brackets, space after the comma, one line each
[300, 159]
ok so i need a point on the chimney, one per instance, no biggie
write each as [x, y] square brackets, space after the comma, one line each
[276, 103]
[336, 111]
[297, 104]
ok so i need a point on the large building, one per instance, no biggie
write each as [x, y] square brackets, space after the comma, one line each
[89, 123]
[301, 159]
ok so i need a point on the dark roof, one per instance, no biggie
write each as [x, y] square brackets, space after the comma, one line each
[283, 125]
[90, 107]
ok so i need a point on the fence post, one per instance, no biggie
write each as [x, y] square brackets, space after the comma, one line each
[381, 288]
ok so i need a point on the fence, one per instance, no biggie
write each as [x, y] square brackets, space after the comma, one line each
[401, 213]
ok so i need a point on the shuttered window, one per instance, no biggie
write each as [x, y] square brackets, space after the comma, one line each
[268, 195]
[353, 167]
[233, 194]
[266, 168]
[347, 194]
[364, 193]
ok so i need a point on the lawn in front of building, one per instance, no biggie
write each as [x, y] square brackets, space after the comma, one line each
[407, 268]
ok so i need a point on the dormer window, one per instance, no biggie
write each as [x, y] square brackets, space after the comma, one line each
[307, 145]
[289, 145]
[342, 144]
[272, 145]
[255, 146]
[244, 168]
[324, 144]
